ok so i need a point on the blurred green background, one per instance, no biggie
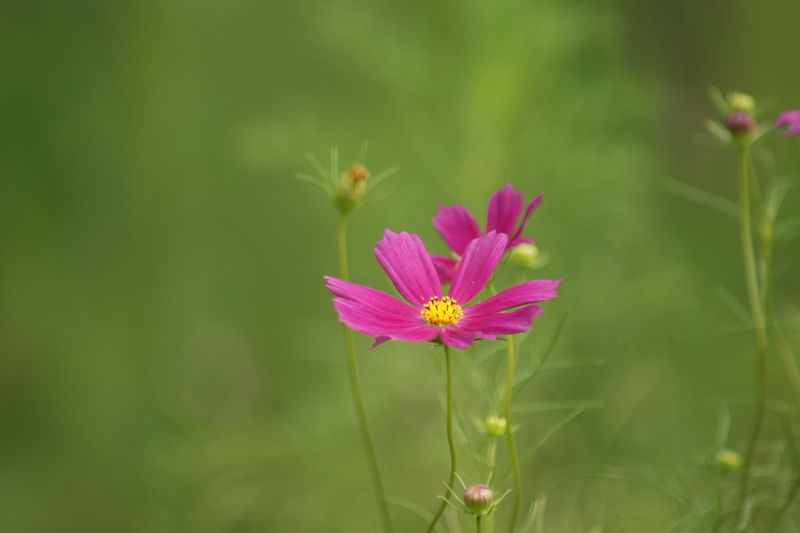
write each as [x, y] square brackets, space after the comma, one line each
[169, 359]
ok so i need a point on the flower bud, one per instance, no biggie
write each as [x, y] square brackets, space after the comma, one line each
[351, 187]
[496, 426]
[478, 499]
[525, 256]
[741, 102]
[739, 123]
[728, 460]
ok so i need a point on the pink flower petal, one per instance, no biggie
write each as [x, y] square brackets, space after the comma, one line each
[377, 314]
[516, 238]
[456, 226]
[504, 208]
[407, 263]
[790, 119]
[456, 337]
[525, 293]
[446, 268]
[477, 266]
[489, 326]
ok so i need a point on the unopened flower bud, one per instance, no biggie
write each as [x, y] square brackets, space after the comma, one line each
[496, 426]
[728, 460]
[741, 102]
[739, 123]
[525, 256]
[352, 186]
[478, 499]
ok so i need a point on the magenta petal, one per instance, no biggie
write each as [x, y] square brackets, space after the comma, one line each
[407, 263]
[456, 226]
[516, 239]
[504, 208]
[477, 266]
[489, 326]
[790, 119]
[365, 321]
[445, 267]
[525, 293]
[457, 337]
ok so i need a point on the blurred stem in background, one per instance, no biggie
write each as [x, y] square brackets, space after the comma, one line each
[450, 442]
[757, 310]
[512, 445]
[355, 387]
[766, 233]
[513, 456]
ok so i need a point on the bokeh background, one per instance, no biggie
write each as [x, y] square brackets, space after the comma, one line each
[169, 359]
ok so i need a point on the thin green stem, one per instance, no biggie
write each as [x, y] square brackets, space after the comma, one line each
[450, 441]
[757, 309]
[478, 524]
[513, 455]
[491, 456]
[765, 234]
[512, 445]
[355, 388]
[776, 520]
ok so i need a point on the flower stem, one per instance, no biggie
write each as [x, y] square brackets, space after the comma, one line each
[765, 267]
[355, 388]
[491, 456]
[478, 524]
[793, 490]
[450, 442]
[512, 445]
[757, 309]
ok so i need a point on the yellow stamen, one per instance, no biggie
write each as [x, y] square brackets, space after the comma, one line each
[441, 312]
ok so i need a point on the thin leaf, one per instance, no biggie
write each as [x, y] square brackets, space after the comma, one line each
[538, 407]
[527, 378]
[415, 509]
[704, 198]
[314, 181]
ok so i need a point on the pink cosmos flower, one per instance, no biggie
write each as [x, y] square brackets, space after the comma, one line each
[790, 119]
[457, 226]
[428, 314]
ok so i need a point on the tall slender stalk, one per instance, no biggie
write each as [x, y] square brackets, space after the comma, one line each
[491, 456]
[450, 441]
[512, 445]
[765, 267]
[757, 309]
[478, 523]
[355, 388]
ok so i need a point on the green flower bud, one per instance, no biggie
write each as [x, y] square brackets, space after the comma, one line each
[478, 499]
[351, 187]
[525, 256]
[496, 426]
[728, 460]
[741, 102]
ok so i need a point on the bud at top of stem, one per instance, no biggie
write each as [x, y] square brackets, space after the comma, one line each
[741, 102]
[478, 499]
[740, 123]
[351, 187]
[728, 460]
[525, 256]
[496, 426]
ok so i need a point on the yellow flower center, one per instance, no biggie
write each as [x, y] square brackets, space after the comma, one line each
[441, 312]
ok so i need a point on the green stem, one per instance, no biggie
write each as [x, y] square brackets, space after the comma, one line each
[491, 456]
[478, 524]
[765, 268]
[450, 441]
[512, 445]
[776, 520]
[757, 309]
[355, 388]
